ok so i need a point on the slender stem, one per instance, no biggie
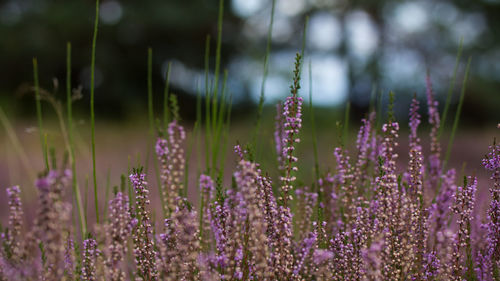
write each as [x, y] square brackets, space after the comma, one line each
[207, 104]
[150, 91]
[457, 115]
[450, 89]
[106, 194]
[188, 157]
[166, 109]
[346, 123]
[313, 128]
[264, 78]
[69, 103]
[11, 134]
[92, 113]
[217, 64]
[39, 113]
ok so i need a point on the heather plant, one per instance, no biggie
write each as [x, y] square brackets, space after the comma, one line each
[369, 217]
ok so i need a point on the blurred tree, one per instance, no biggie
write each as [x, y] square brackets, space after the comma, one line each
[352, 45]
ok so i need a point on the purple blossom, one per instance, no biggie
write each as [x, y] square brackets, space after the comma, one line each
[279, 136]
[143, 234]
[118, 231]
[90, 253]
[435, 156]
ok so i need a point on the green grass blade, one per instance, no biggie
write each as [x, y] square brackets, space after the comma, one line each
[260, 107]
[166, 108]
[69, 108]
[150, 149]
[86, 199]
[379, 110]
[150, 93]
[106, 194]
[304, 37]
[39, 113]
[227, 124]
[219, 125]
[92, 113]
[313, 128]
[451, 88]
[346, 123]
[11, 134]
[217, 65]
[457, 115]
[188, 157]
[207, 104]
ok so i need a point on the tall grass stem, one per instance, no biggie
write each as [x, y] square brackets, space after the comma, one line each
[92, 113]
[457, 115]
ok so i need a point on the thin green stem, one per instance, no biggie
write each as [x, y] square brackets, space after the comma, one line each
[217, 64]
[346, 123]
[207, 104]
[457, 115]
[451, 88]
[218, 124]
[166, 108]
[106, 193]
[264, 78]
[188, 157]
[39, 113]
[313, 128]
[11, 134]
[69, 107]
[92, 113]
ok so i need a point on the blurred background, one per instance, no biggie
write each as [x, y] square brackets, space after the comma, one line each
[355, 48]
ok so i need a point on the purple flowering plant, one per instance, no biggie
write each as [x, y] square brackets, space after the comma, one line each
[366, 218]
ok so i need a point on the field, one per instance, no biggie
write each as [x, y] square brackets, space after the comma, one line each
[294, 192]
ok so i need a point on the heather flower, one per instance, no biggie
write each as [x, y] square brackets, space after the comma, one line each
[344, 183]
[118, 231]
[279, 136]
[283, 258]
[322, 260]
[372, 260]
[90, 253]
[15, 222]
[387, 193]
[53, 220]
[179, 245]
[246, 177]
[162, 152]
[305, 251]
[306, 202]
[176, 138]
[207, 190]
[143, 234]
[363, 147]
[431, 266]
[491, 257]
[292, 114]
[344, 265]
[463, 207]
[170, 154]
[415, 202]
[435, 156]
[440, 209]
[69, 257]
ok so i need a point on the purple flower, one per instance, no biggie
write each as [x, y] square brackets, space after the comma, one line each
[90, 253]
[435, 156]
[279, 136]
[143, 235]
[491, 257]
[292, 115]
[118, 231]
